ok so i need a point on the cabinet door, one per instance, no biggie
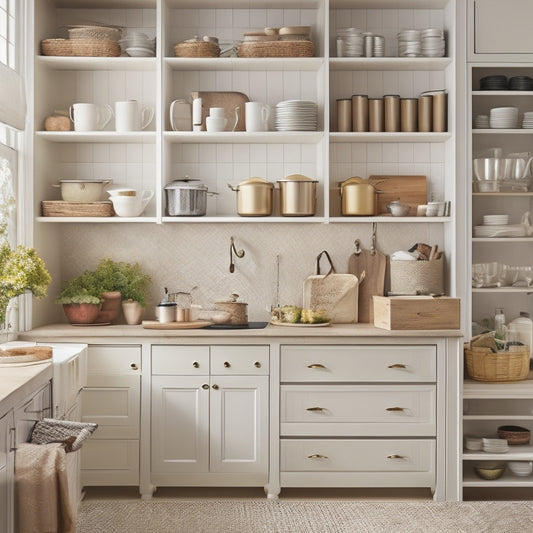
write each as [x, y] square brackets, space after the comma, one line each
[113, 402]
[6, 474]
[239, 424]
[180, 424]
[37, 407]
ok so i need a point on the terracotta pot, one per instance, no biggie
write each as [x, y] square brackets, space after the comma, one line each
[81, 313]
[132, 312]
[111, 304]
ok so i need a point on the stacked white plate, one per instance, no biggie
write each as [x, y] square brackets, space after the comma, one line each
[409, 43]
[481, 122]
[352, 42]
[296, 115]
[503, 117]
[495, 220]
[527, 122]
[495, 445]
[520, 468]
[433, 43]
[138, 44]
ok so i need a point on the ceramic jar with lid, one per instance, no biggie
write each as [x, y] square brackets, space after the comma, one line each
[238, 311]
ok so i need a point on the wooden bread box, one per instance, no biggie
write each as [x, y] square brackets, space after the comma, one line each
[416, 312]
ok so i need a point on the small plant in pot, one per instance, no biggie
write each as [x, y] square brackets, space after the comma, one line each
[81, 300]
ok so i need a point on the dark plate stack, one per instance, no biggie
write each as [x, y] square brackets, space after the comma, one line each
[521, 83]
[493, 83]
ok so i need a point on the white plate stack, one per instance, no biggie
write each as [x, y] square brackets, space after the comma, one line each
[503, 117]
[527, 122]
[296, 115]
[481, 122]
[137, 44]
[433, 43]
[409, 43]
[495, 445]
[495, 220]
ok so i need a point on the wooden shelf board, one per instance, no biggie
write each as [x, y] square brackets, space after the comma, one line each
[385, 218]
[97, 63]
[393, 137]
[131, 137]
[501, 290]
[243, 137]
[311, 64]
[389, 63]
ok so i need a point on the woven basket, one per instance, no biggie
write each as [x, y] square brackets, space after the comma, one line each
[80, 48]
[276, 49]
[59, 208]
[482, 364]
[95, 33]
[197, 49]
[417, 277]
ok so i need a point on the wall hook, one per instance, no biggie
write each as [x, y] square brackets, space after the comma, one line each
[374, 231]
[233, 250]
[357, 244]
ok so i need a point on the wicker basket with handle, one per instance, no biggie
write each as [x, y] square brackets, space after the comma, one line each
[482, 364]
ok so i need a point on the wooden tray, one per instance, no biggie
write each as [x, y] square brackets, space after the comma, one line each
[196, 324]
[60, 208]
[410, 190]
[229, 100]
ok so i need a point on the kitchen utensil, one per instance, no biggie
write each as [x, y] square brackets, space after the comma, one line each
[238, 310]
[131, 206]
[254, 197]
[256, 116]
[166, 312]
[372, 264]
[335, 294]
[90, 117]
[181, 115]
[229, 100]
[297, 196]
[397, 209]
[82, 190]
[130, 117]
[358, 197]
[410, 190]
[186, 198]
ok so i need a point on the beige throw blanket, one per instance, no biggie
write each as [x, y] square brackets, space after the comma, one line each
[41, 490]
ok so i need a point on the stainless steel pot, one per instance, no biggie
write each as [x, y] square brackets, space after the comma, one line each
[254, 197]
[297, 196]
[238, 310]
[186, 198]
[358, 197]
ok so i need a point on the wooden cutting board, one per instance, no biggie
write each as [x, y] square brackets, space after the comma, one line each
[410, 190]
[374, 283]
[229, 100]
[154, 324]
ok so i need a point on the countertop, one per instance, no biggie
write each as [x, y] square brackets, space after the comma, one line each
[68, 333]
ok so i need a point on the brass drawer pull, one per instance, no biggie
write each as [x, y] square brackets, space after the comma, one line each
[316, 365]
[315, 409]
[205, 386]
[215, 387]
[317, 456]
[395, 456]
[257, 364]
[397, 365]
[395, 409]
[226, 364]
[196, 364]
[133, 366]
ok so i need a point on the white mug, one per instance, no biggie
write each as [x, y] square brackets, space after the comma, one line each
[217, 112]
[256, 116]
[90, 117]
[180, 115]
[214, 124]
[129, 118]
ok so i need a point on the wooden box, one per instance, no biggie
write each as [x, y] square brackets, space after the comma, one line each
[416, 312]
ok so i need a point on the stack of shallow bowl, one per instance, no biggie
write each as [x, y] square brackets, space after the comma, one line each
[520, 468]
[137, 44]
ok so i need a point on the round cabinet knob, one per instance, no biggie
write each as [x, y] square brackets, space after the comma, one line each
[205, 386]
[134, 366]
[215, 387]
[257, 364]
[226, 364]
[196, 364]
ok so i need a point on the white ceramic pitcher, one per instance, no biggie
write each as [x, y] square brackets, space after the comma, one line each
[90, 117]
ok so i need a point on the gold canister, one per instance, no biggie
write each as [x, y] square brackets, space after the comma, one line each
[344, 114]
[425, 113]
[440, 111]
[391, 105]
[409, 113]
[254, 197]
[358, 197]
[376, 118]
[359, 112]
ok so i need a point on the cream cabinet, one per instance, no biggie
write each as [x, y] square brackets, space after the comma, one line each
[210, 415]
[358, 416]
[7, 474]
[112, 399]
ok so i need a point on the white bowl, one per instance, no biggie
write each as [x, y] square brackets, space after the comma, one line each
[131, 206]
[520, 468]
[140, 52]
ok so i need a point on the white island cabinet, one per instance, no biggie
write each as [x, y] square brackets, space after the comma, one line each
[6, 472]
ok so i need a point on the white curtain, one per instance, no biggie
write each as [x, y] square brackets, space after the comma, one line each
[12, 99]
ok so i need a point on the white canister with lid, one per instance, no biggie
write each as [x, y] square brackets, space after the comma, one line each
[523, 326]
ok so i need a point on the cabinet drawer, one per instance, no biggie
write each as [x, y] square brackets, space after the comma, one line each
[371, 410]
[358, 363]
[351, 455]
[236, 360]
[183, 360]
[113, 359]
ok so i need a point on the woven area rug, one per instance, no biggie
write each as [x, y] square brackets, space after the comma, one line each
[258, 516]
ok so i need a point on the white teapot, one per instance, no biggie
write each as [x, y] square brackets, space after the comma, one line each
[131, 205]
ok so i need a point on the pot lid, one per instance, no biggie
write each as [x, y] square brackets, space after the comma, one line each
[232, 300]
[298, 177]
[186, 183]
[352, 181]
[91, 180]
[256, 181]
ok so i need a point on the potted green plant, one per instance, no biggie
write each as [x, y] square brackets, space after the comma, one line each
[80, 298]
